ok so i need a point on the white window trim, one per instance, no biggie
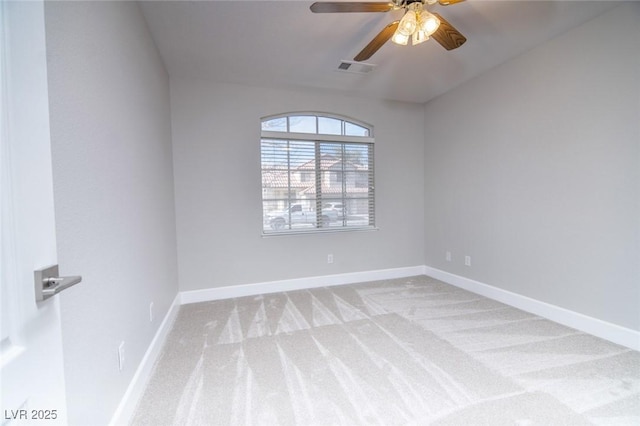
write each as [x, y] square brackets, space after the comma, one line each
[321, 114]
[316, 231]
[268, 134]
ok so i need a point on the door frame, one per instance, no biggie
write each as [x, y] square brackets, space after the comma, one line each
[32, 388]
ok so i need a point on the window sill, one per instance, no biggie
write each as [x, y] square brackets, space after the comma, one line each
[316, 231]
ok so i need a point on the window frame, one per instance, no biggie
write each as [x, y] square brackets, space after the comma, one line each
[344, 142]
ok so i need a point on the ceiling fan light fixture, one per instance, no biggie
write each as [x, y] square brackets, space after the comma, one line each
[417, 24]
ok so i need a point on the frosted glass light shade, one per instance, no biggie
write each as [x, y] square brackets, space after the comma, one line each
[399, 38]
[408, 23]
[429, 23]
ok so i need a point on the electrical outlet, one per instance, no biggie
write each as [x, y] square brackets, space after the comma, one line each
[121, 356]
[448, 256]
[330, 258]
[467, 260]
[151, 312]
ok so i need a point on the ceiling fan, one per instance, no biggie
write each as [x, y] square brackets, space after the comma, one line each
[417, 24]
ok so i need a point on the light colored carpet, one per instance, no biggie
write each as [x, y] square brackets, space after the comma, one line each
[396, 352]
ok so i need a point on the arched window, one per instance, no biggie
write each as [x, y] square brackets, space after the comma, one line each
[317, 173]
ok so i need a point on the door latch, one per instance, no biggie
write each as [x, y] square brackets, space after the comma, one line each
[48, 282]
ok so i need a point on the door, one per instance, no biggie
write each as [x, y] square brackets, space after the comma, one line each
[31, 347]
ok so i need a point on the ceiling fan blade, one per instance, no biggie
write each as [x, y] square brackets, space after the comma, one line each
[377, 42]
[447, 35]
[449, 2]
[342, 7]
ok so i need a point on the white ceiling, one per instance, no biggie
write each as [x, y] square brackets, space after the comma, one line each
[284, 44]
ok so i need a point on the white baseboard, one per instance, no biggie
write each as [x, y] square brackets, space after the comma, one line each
[132, 395]
[605, 330]
[228, 292]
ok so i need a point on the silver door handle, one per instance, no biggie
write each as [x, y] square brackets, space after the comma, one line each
[49, 283]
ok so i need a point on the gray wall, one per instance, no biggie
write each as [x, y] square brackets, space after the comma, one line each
[533, 168]
[216, 136]
[113, 187]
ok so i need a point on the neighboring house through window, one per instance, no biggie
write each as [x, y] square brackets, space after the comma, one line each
[317, 173]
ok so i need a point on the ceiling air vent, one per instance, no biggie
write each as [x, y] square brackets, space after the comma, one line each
[355, 67]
